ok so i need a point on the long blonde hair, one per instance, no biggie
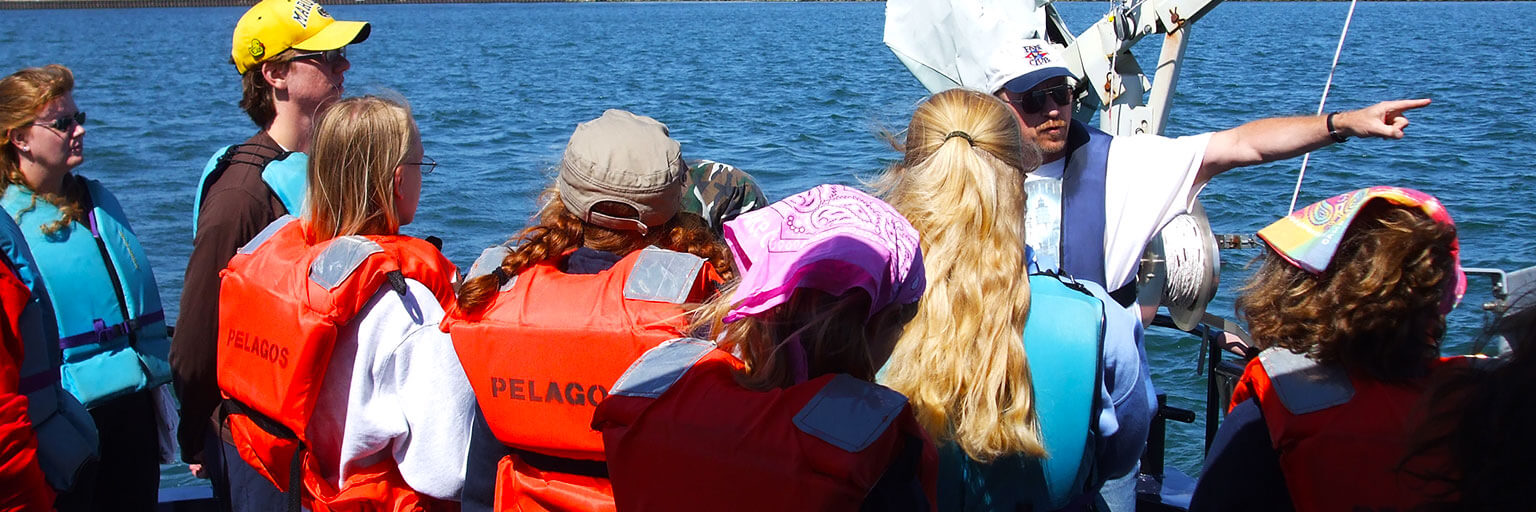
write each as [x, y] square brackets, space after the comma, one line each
[359, 142]
[22, 95]
[961, 362]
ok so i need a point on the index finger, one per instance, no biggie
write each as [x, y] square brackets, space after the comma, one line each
[1405, 105]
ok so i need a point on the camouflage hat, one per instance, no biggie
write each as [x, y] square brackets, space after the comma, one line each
[719, 192]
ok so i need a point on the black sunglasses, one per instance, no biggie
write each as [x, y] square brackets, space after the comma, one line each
[66, 123]
[328, 56]
[1033, 102]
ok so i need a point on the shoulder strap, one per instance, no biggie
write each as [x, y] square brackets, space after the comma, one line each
[661, 367]
[1082, 203]
[1302, 385]
[662, 276]
[850, 413]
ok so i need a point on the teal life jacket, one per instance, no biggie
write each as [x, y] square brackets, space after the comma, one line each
[106, 304]
[66, 434]
[1063, 337]
[285, 172]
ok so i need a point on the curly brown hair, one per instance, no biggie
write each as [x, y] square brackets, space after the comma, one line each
[560, 231]
[1376, 309]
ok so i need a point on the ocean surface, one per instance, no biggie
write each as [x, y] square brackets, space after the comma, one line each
[796, 93]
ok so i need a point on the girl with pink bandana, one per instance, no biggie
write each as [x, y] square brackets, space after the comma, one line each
[780, 412]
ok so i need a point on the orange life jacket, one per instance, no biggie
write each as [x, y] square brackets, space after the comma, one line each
[282, 301]
[19, 469]
[1340, 437]
[681, 434]
[546, 349]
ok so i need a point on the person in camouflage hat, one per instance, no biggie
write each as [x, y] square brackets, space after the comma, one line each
[719, 192]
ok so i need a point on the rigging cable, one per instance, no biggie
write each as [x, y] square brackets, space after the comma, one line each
[1322, 102]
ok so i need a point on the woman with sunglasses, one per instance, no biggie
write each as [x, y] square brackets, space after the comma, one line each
[106, 305]
[1349, 308]
[340, 388]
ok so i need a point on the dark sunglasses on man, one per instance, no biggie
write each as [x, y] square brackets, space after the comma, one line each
[329, 56]
[1033, 102]
[65, 123]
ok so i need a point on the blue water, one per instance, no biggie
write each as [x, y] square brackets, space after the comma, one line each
[795, 93]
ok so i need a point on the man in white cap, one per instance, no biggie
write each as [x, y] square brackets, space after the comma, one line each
[1097, 200]
[291, 56]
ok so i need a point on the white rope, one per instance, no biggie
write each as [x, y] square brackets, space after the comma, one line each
[1186, 262]
[1322, 102]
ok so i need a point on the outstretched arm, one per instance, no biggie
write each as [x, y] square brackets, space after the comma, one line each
[1278, 138]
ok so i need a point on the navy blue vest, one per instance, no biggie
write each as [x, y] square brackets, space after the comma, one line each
[1082, 203]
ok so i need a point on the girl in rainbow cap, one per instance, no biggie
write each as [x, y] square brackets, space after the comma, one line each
[781, 412]
[1349, 308]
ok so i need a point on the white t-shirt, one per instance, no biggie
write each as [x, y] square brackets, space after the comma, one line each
[1148, 180]
[395, 389]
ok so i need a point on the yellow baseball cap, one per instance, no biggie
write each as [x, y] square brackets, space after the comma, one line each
[272, 26]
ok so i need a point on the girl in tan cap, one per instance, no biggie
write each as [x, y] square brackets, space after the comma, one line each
[545, 328]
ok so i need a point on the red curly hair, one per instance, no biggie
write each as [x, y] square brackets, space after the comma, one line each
[560, 231]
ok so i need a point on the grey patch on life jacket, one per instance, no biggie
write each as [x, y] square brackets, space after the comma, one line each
[1303, 385]
[488, 261]
[266, 233]
[340, 259]
[850, 413]
[661, 367]
[662, 276]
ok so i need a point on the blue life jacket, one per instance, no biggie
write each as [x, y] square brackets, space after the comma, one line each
[110, 323]
[1082, 203]
[1063, 338]
[285, 172]
[66, 434]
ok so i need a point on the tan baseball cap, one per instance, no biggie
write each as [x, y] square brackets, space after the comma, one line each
[272, 26]
[624, 158]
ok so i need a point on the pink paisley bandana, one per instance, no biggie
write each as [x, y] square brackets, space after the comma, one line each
[831, 238]
[1309, 237]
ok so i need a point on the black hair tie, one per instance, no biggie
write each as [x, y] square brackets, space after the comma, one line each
[961, 134]
[501, 276]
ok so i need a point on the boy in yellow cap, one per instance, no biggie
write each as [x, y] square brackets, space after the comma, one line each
[291, 55]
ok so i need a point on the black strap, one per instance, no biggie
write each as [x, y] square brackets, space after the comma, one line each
[1125, 295]
[397, 281]
[589, 468]
[262, 421]
[229, 157]
[232, 406]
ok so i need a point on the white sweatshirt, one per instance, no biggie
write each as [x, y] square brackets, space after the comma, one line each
[395, 389]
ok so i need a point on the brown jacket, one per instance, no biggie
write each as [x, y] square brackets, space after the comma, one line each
[236, 206]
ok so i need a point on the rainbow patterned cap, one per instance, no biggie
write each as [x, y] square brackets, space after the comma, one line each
[831, 238]
[1309, 237]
